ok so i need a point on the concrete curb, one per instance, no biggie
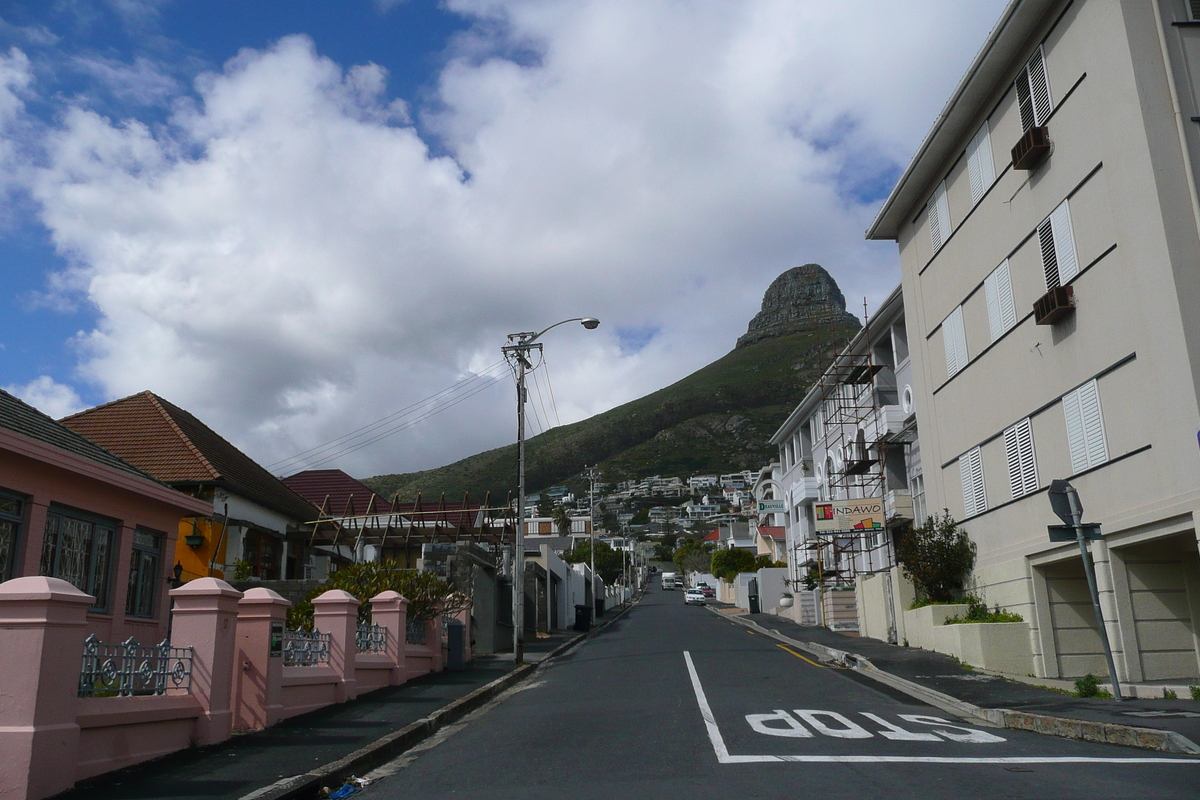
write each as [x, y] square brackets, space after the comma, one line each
[1063, 727]
[393, 744]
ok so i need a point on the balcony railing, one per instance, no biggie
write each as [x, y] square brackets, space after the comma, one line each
[305, 648]
[371, 638]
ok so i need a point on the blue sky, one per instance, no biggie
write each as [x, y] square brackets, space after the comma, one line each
[295, 218]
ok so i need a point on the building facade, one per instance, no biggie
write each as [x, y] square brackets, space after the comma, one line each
[1049, 237]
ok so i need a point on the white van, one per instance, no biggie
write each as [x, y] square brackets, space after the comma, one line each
[669, 580]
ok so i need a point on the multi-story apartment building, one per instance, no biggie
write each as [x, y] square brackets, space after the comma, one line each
[853, 437]
[1049, 237]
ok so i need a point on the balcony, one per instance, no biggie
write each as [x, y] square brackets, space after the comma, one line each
[898, 506]
[805, 491]
[885, 423]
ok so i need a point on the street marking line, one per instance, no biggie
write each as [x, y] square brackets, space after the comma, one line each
[787, 649]
[723, 756]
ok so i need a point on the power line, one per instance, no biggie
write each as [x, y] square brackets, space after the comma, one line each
[369, 428]
[537, 388]
[550, 386]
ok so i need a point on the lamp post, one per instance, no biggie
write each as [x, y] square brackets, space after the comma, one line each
[517, 351]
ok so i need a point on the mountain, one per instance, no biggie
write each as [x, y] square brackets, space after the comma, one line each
[718, 419]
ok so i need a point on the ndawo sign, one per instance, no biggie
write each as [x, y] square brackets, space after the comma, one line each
[864, 514]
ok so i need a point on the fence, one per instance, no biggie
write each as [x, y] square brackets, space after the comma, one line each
[231, 665]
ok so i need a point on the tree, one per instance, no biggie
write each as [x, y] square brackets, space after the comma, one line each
[609, 562]
[726, 564]
[424, 591]
[640, 517]
[545, 506]
[937, 557]
[562, 520]
[693, 555]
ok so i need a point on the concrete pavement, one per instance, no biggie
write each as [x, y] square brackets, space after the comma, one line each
[676, 702]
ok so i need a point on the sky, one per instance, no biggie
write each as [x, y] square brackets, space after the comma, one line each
[312, 224]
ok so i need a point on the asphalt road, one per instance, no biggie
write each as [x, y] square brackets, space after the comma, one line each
[675, 702]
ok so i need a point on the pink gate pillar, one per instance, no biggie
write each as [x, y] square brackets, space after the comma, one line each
[336, 613]
[433, 637]
[390, 610]
[257, 675]
[41, 651]
[205, 618]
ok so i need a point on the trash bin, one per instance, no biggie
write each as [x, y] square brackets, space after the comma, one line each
[455, 645]
[752, 590]
[583, 618]
[599, 607]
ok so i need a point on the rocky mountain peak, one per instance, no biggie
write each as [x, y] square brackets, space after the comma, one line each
[798, 300]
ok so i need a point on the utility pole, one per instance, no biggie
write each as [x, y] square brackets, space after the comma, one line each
[517, 351]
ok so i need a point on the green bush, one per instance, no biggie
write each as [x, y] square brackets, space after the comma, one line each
[937, 557]
[1195, 690]
[426, 592]
[726, 564]
[1169, 694]
[1089, 686]
[977, 611]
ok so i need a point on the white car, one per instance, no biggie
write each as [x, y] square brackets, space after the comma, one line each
[694, 596]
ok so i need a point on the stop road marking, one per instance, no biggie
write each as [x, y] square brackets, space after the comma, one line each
[839, 726]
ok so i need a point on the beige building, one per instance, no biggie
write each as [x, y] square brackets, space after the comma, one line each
[1049, 236]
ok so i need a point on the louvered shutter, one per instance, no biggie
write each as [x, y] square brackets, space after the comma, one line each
[1064, 243]
[1022, 462]
[997, 289]
[1093, 423]
[1194, 10]
[971, 468]
[1049, 258]
[1076, 441]
[1039, 87]
[939, 217]
[981, 168]
[955, 341]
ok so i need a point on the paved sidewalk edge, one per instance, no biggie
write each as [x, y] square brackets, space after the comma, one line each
[1063, 727]
[393, 744]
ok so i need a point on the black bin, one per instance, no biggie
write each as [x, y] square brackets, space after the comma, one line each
[583, 618]
[456, 645]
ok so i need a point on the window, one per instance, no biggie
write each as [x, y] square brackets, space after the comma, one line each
[1194, 10]
[1033, 92]
[917, 487]
[997, 289]
[974, 496]
[1085, 427]
[939, 217]
[1058, 247]
[954, 337]
[78, 550]
[12, 513]
[981, 169]
[1022, 465]
[143, 574]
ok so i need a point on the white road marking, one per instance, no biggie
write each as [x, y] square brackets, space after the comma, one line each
[723, 756]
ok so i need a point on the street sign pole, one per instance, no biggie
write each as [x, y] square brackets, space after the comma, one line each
[1075, 510]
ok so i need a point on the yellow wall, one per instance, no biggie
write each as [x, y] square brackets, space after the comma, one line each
[195, 561]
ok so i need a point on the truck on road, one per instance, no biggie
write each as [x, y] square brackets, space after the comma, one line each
[668, 580]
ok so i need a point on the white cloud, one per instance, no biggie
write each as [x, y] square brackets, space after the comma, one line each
[289, 261]
[54, 399]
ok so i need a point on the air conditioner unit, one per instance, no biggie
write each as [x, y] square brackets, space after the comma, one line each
[1031, 148]
[1054, 305]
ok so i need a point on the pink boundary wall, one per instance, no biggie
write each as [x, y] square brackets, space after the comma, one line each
[236, 683]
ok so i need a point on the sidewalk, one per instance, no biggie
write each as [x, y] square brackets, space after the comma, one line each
[246, 763]
[937, 673]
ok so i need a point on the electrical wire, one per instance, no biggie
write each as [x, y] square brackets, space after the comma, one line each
[537, 389]
[550, 386]
[370, 428]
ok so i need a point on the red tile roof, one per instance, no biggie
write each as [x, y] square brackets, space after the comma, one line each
[346, 495]
[772, 531]
[715, 536]
[178, 449]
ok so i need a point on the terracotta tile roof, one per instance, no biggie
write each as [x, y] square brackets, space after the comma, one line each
[178, 449]
[772, 531]
[715, 536]
[20, 417]
[346, 495]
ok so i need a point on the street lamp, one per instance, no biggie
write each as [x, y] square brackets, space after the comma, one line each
[517, 351]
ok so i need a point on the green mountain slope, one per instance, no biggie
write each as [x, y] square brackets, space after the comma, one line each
[718, 419]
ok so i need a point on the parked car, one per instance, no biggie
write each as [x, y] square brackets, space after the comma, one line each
[707, 590]
[693, 597]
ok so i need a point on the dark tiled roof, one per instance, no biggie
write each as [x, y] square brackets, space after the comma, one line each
[20, 417]
[772, 531]
[178, 449]
[346, 495]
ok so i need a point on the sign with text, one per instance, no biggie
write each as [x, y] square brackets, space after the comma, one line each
[771, 506]
[864, 514]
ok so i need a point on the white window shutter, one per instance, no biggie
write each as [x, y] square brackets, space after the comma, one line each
[981, 167]
[1021, 459]
[1039, 87]
[1064, 243]
[1049, 257]
[939, 217]
[971, 467]
[1076, 441]
[1093, 423]
[1012, 457]
[955, 341]
[997, 290]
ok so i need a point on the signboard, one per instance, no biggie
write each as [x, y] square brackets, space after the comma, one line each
[771, 506]
[276, 642]
[1066, 533]
[1060, 503]
[864, 514]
